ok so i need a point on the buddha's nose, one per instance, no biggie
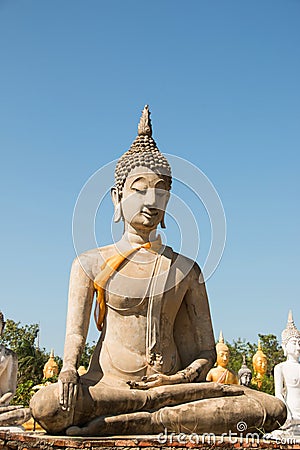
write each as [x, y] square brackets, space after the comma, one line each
[150, 198]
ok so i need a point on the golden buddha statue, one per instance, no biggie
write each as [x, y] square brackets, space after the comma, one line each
[51, 367]
[221, 373]
[81, 371]
[260, 364]
[156, 346]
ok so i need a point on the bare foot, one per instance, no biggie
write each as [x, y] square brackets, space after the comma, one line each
[74, 431]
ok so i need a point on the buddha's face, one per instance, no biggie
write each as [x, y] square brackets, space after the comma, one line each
[292, 348]
[260, 364]
[245, 378]
[50, 371]
[144, 199]
[223, 357]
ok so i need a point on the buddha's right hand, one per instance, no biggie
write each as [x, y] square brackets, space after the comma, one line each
[67, 386]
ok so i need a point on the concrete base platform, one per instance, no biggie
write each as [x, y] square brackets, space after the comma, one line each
[10, 440]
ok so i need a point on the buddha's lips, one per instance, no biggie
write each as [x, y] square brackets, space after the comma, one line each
[149, 214]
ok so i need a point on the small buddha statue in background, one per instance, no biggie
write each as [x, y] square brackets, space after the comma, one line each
[244, 374]
[287, 373]
[260, 364]
[51, 367]
[287, 382]
[221, 373]
[50, 370]
[10, 415]
[81, 371]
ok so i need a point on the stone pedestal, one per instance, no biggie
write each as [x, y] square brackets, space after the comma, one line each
[31, 441]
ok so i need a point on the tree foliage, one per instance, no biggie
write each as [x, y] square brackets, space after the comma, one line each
[31, 359]
[22, 340]
[87, 354]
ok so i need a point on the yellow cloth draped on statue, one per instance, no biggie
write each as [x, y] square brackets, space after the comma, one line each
[108, 268]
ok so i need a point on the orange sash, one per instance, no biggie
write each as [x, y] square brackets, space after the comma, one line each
[107, 269]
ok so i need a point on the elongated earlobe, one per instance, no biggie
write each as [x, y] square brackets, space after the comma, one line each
[117, 204]
[118, 213]
[162, 222]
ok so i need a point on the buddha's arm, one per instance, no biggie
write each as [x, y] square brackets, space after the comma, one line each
[278, 382]
[209, 376]
[199, 315]
[81, 293]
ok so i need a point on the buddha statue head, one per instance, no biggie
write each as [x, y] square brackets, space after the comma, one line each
[142, 181]
[290, 339]
[244, 374]
[260, 361]
[81, 370]
[51, 367]
[222, 352]
[2, 323]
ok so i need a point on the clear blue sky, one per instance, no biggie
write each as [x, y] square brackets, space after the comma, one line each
[222, 82]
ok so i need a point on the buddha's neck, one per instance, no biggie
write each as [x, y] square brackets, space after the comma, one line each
[138, 237]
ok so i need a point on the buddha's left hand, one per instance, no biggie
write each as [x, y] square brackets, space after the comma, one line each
[155, 380]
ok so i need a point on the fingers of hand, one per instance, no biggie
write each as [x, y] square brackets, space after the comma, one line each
[70, 394]
[61, 392]
[143, 385]
[67, 395]
[153, 377]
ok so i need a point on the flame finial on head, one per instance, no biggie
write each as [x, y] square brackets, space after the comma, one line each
[144, 126]
[259, 346]
[221, 337]
[290, 331]
[221, 346]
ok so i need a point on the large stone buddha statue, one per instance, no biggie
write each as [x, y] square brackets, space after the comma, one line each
[156, 345]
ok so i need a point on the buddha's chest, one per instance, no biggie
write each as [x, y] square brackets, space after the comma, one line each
[145, 276]
[292, 375]
[135, 277]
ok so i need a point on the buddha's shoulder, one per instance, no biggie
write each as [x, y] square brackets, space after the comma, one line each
[100, 252]
[281, 365]
[184, 264]
[91, 260]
